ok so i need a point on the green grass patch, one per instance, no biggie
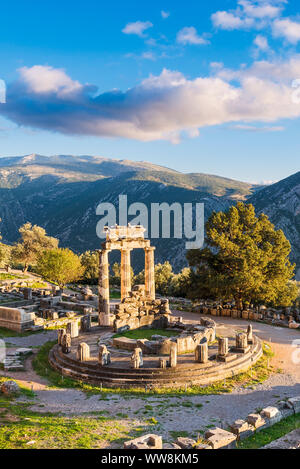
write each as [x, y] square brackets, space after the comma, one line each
[270, 434]
[115, 294]
[146, 333]
[21, 428]
[7, 276]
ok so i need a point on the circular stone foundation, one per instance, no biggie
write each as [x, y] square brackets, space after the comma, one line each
[119, 374]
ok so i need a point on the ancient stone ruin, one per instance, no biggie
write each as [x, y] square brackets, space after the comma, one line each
[138, 307]
[187, 355]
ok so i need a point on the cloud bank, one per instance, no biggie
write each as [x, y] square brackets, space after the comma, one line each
[160, 107]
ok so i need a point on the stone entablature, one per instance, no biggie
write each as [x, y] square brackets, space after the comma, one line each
[16, 319]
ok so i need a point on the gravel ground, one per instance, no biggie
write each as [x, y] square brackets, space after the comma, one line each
[34, 340]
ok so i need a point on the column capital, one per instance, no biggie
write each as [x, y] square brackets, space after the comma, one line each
[149, 248]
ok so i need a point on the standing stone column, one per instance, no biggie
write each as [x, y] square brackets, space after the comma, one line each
[149, 272]
[85, 323]
[103, 288]
[223, 346]
[72, 329]
[201, 353]
[66, 343]
[173, 355]
[83, 352]
[125, 273]
[241, 340]
[250, 334]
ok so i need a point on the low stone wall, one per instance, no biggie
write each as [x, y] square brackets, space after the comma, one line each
[218, 438]
[16, 319]
[266, 316]
[188, 339]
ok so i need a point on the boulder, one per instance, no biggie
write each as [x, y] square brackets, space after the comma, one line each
[10, 388]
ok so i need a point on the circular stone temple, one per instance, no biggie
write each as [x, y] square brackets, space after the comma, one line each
[184, 354]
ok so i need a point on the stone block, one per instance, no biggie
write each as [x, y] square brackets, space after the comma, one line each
[270, 412]
[295, 403]
[221, 439]
[242, 429]
[203, 446]
[256, 420]
[185, 443]
[149, 441]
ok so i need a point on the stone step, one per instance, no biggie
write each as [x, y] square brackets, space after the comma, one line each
[112, 377]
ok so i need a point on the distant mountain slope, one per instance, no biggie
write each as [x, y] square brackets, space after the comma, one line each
[61, 193]
[281, 202]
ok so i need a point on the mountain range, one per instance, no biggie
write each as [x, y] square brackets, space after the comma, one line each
[61, 194]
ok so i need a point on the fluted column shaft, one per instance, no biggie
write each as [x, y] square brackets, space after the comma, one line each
[103, 285]
[125, 273]
[149, 272]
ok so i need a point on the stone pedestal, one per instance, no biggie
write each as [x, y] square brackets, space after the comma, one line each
[60, 334]
[83, 352]
[85, 323]
[201, 353]
[103, 288]
[149, 272]
[72, 329]
[162, 363]
[137, 358]
[250, 334]
[103, 356]
[173, 356]
[222, 347]
[241, 343]
[66, 343]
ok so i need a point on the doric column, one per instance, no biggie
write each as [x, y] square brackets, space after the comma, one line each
[149, 272]
[125, 273]
[103, 285]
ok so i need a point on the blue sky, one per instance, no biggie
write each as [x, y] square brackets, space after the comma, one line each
[196, 86]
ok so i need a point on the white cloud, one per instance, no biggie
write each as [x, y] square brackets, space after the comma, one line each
[43, 79]
[229, 21]
[288, 29]
[262, 43]
[248, 14]
[160, 107]
[164, 14]
[189, 35]
[260, 9]
[252, 128]
[138, 28]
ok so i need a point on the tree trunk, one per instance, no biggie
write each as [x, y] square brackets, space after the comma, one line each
[25, 268]
[239, 303]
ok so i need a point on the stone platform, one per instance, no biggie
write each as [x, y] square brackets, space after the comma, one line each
[119, 373]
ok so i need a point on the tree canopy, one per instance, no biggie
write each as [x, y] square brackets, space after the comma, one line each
[244, 259]
[33, 241]
[90, 262]
[60, 265]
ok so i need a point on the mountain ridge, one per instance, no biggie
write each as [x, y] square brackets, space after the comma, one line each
[61, 194]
